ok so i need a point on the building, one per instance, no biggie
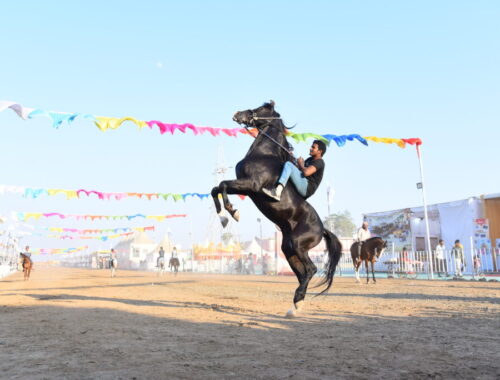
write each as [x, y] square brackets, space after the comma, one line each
[135, 252]
[474, 221]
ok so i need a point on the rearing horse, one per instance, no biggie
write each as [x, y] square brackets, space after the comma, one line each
[299, 223]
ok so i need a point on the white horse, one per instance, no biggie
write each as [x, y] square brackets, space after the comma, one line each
[161, 266]
[113, 265]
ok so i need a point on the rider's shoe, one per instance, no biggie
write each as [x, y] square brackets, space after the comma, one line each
[274, 193]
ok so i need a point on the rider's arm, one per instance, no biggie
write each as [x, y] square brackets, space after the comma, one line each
[307, 171]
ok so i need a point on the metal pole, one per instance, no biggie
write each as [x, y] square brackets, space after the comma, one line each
[260, 224]
[427, 232]
[471, 257]
[330, 221]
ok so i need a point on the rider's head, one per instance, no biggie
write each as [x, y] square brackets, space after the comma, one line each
[27, 247]
[365, 224]
[320, 145]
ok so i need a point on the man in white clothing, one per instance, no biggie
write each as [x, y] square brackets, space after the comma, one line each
[440, 261]
[457, 252]
[363, 235]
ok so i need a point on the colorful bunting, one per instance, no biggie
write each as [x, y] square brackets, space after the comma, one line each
[105, 123]
[100, 230]
[101, 238]
[55, 251]
[30, 192]
[25, 216]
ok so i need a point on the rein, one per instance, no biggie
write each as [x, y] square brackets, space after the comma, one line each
[269, 119]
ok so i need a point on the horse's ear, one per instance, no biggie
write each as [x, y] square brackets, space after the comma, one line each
[271, 102]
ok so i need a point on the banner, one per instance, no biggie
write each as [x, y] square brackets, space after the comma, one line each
[482, 234]
[393, 226]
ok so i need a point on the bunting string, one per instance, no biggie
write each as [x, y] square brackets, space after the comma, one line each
[35, 192]
[101, 231]
[104, 123]
[81, 237]
[54, 251]
[25, 216]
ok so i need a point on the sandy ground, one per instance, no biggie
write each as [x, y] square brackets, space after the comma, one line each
[75, 323]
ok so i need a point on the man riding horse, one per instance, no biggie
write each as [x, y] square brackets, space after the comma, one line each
[363, 235]
[161, 258]
[265, 165]
[27, 263]
[306, 176]
[26, 254]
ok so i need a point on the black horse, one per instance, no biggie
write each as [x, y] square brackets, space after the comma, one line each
[298, 221]
[370, 252]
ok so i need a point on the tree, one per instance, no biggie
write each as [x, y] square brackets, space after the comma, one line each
[341, 224]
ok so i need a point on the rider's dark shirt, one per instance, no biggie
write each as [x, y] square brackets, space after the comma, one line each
[314, 179]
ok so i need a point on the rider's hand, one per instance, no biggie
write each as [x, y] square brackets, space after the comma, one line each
[300, 161]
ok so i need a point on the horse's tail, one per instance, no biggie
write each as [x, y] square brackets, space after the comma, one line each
[334, 252]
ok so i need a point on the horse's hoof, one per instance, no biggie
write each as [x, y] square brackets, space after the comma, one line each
[224, 221]
[236, 215]
[290, 314]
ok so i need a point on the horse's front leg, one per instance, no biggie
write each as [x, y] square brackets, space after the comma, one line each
[356, 270]
[239, 186]
[373, 272]
[367, 272]
[215, 196]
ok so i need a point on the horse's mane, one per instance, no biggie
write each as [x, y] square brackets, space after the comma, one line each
[373, 238]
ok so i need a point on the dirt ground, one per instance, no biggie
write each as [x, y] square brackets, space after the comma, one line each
[77, 323]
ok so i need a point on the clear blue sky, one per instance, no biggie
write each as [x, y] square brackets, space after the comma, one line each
[423, 69]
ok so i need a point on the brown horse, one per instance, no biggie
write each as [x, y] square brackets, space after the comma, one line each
[27, 266]
[174, 264]
[370, 252]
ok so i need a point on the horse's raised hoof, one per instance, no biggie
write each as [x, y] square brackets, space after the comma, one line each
[223, 220]
[236, 215]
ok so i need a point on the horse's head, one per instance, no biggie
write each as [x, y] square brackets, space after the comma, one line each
[381, 247]
[259, 117]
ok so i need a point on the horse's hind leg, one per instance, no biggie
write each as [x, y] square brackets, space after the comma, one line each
[295, 250]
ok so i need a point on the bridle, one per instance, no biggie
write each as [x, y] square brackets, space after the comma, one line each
[260, 128]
